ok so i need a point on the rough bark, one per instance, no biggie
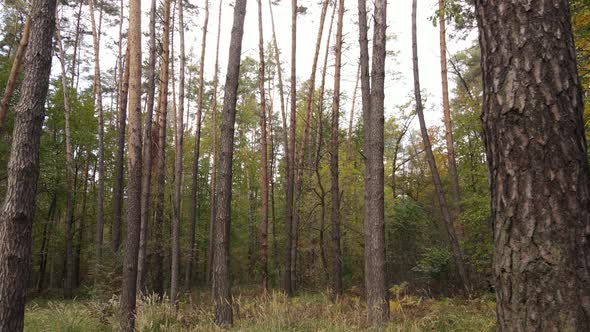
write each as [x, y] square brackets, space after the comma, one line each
[222, 298]
[538, 166]
[442, 201]
[195, 177]
[335, 188]
[263, 158]
[134, 169]
[147, 152]
[16, 214]
[372, 96]
[119, 168]
[12, 77]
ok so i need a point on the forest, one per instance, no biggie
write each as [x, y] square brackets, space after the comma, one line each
[294, 165]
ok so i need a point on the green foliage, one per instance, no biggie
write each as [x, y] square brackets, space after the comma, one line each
[434, 263]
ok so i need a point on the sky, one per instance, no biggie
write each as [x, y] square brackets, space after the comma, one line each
[399, 87]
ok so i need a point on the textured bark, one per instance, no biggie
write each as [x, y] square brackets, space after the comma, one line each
[537, 158]
[442, 201]
[291, 254]
[161, 153]
[263, 158]
[98, 234]
[178, 142]
[12, 77]
[147, 152]
[119, 168]
[16, 214]
[213, 206]
[372, 96]
[447, 109]
[70, 186]
[195, 177]
[134, 169]
[222, 298]
[335, 188]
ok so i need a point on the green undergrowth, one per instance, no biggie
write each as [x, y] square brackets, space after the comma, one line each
[252, 312]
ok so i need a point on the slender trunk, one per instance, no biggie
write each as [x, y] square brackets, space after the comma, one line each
[373, 117]
[352, 106]
[148, 139]
[161, 157]
[213, 204]
[251, 235]
[270, 142]
[119, 168]
[82, 226]
[222, 298]
[77, 40]
[538, 166]
[18, 209]
[44, 243]
[175, 273]
[444, 207]
[335, 189]
[70, 186]
[447, 110]
[12, 77]
[195, 177]
[263, 158]
[98, 235]
[290, 221]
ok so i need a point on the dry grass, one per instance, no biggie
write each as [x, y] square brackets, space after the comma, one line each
[306, 312]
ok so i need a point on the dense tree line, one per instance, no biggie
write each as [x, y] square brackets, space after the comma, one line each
[150, 177]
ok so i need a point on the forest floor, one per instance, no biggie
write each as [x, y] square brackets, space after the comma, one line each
[305, 312]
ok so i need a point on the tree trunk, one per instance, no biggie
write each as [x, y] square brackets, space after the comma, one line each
[447, 110]
[213, 201]
[76, 46]
[98, 235]
[147, 152]
[134, 169]
[82, 226]
[538, 166]
[16, 215]
[352, 106]
[263, 158]
[70, 186]
[11, 83]
[335, 189]
[444, 207]
[44, 243]
[175, 274]
[372, 96]
[119, 169]
[161, 157]
[222, 298]
[195, 177]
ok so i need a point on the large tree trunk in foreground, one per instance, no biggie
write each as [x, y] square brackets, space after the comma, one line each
[335, 189]
[442, 201]
[134, 161]
[222, 298]
[16, 64]
[538, 166]
[373, 118]
[263, 158]
[147, 152]
[18, 209]
[195, 177]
